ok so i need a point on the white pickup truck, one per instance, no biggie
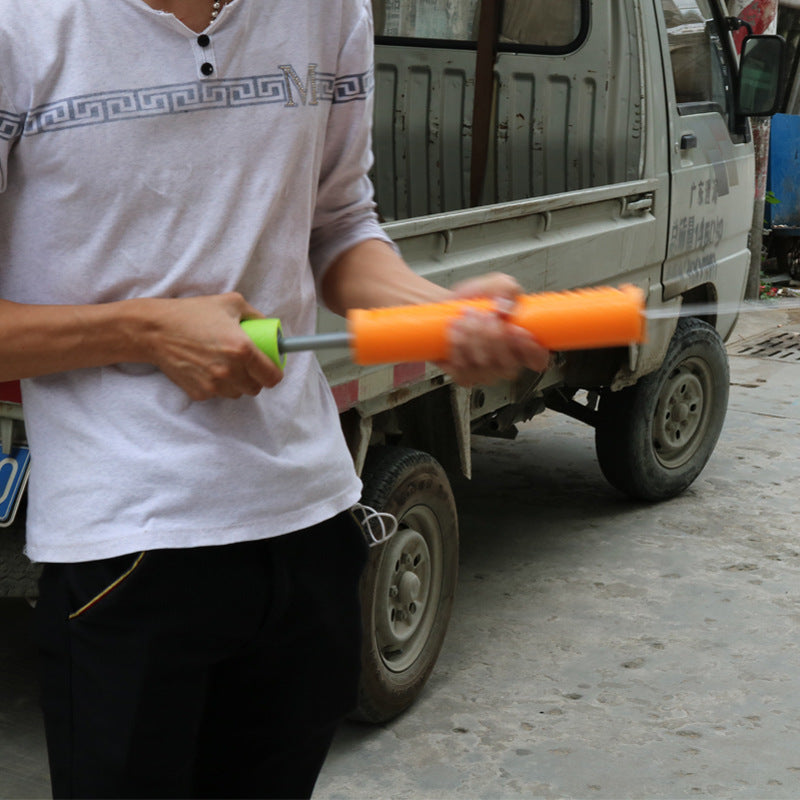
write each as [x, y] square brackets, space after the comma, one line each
[569, 144]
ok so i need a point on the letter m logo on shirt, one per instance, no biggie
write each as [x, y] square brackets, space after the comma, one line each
[308, 93]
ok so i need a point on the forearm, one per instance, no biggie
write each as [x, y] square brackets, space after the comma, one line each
[43, 339]
[197, 342]
[373, 275]
[484, 347]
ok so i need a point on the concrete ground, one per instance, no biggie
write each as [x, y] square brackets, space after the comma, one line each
[599, 648]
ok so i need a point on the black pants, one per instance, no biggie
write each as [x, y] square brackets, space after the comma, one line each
[206, 672]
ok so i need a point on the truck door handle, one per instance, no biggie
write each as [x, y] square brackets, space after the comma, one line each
[632, 208]
[688, 141]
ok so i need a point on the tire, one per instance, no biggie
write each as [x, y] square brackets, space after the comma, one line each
[654, 438]
[409, 582]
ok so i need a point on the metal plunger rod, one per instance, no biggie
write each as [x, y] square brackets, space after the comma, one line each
[319, 341]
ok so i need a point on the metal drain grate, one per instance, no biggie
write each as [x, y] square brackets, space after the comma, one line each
[783, 346]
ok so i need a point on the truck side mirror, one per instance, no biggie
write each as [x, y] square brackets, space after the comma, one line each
[761, 75]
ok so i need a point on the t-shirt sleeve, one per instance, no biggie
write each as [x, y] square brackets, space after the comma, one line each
[345, 211]
[10, 130]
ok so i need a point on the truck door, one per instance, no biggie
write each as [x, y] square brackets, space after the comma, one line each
[711, 160]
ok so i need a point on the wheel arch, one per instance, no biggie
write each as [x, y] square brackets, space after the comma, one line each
[436, 422]
[705, 295]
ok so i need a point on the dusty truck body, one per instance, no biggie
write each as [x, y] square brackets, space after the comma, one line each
[569, 144]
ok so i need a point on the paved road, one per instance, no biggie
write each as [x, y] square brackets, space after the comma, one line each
[599, 648]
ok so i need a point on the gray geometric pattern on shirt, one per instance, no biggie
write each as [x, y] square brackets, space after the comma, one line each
[11, 125]
[105, 107]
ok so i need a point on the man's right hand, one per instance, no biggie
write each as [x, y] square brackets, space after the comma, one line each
[198, 343]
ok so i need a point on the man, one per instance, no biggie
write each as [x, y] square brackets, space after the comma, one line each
[169, 168]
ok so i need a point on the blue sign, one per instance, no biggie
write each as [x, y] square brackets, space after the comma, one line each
[13, 477]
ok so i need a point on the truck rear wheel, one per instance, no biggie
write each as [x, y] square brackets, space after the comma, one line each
[654, 438]
[409, 582]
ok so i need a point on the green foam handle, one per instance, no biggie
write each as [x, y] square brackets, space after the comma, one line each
[266, 335]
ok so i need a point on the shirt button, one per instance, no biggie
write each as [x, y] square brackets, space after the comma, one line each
[203, 40]
[207, 69]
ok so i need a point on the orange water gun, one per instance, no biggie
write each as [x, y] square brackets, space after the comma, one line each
[579, 319]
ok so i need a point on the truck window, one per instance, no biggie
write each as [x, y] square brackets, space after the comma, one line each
[542, 23]
[427, 19]
[531, 23]
[699, 66]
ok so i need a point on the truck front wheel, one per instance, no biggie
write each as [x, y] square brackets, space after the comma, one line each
[409, 582]
[654, 438]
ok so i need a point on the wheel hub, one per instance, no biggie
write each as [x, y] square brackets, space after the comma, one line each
[410, 586]
[410, 577]
[682, 413]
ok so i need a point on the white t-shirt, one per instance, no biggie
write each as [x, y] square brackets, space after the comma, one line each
[139, 159]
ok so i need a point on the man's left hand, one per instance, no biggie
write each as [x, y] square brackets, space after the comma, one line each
[485, 346]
